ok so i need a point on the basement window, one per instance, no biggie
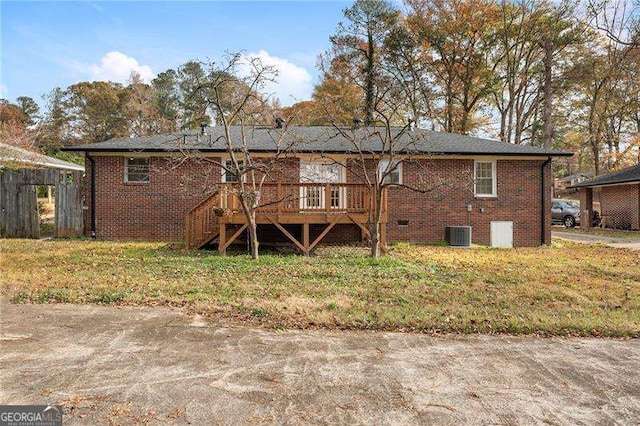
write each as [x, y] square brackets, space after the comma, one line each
[403, 222]
[136, 170]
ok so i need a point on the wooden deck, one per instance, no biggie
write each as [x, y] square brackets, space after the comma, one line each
[303, 204]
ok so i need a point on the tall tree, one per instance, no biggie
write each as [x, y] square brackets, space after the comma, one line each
[140, 107]
[11, 114]
[409, 63]
[357, 44]
[559, 30]
[338, 99]
[519, 57]
[30, 108]
[191, 76]
[13, 125]
[166, 101]
[461, 36]
[54, 132]
[97, 111]
[605, 105]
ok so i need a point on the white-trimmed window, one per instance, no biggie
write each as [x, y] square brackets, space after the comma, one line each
[485, 178]
[136, 169]
[394, 176]
[313, 196]
[227, 175]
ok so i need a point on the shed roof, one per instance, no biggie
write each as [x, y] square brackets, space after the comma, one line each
[319, 139]
[628, 175]
[14, 154]
[575, 176]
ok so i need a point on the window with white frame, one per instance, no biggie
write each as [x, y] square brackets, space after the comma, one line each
[136, 169]
[394, 173]
[320, 173]
[485, 178]
[227, 172]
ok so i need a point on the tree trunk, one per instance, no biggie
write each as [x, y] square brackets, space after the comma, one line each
[374, 228]
[503, 126]
[249, 210]
[370, 82]
[253, 237]
[449, 105]
[548, 105]
[464, 121]
[375, 225]
[596, 158]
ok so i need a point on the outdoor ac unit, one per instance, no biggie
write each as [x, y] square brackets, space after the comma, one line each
[458, 235]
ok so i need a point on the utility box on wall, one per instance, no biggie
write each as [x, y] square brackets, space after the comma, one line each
[459, 236]
[502, 234]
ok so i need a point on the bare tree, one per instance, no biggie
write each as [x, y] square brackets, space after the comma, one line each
[377, 156]
[232, 93]
[376, 150]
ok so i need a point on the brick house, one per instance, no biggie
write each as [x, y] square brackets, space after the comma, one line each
[156, 187]
[619, 198]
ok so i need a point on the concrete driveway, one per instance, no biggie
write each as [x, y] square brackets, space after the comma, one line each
[160, 365]
[597, 239]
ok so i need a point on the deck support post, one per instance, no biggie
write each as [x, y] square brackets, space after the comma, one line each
[222, 240]
[305, 238]
[365, 232]
[321, 236]
[293, 239]
[233, 238]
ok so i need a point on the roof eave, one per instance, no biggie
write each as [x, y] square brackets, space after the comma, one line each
[462, 153]
[592, 184]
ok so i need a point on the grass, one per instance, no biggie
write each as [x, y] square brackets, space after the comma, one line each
[633, 236]
[566, 289]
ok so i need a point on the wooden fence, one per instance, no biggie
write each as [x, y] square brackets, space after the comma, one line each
[19, 215]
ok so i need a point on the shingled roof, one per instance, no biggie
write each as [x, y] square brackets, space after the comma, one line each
[318, 139]
[10, 154]
[630, 174]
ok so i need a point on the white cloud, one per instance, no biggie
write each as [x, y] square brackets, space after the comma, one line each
[116, 66]
[293, 83]
[3, 91]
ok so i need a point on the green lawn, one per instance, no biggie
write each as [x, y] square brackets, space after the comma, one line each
[566, 289]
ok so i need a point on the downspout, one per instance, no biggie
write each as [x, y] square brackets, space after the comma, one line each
[93, 195]
[543, 222]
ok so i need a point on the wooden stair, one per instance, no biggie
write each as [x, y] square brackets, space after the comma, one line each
[201, 223]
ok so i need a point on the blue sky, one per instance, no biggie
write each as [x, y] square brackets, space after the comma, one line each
[55, 44]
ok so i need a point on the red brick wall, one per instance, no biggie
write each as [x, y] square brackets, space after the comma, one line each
[157, 210]
[518, 200]
[621, 206]
[154, 210]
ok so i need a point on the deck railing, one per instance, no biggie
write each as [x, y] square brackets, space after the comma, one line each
[200, 223]
[288, 198]
[277, 199]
